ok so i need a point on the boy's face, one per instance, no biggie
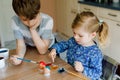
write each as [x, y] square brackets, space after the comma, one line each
[30, 23]
[83, 37]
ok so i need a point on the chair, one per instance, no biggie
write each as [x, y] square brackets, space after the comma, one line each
[60, 37]
[109, 66]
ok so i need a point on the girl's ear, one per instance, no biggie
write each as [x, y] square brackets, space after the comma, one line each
[93, 34]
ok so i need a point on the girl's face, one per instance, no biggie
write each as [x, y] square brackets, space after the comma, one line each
[30, 23]
[83, 37]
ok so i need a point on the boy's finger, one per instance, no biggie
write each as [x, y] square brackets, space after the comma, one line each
[11, 58]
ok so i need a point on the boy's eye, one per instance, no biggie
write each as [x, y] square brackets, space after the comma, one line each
[25, 19]
[35, 17]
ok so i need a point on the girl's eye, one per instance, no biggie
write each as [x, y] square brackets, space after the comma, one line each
[74, 33]
[80, 36]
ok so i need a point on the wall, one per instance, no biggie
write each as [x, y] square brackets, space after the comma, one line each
[6, 13]
[48, 6]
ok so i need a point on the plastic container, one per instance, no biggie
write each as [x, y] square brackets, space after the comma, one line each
[2, 62]
[4, 52]
[115, 1]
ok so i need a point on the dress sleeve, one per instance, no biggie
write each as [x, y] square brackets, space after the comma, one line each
[62, 46]
[94, 70]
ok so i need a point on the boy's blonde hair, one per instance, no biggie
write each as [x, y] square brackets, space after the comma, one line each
[92, 24]
[27, 8]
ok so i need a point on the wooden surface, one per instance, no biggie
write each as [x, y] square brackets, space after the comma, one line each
[30, 71]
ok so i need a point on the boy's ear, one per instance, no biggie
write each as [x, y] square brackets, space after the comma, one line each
[93, 34]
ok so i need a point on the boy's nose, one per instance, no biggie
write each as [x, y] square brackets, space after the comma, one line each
[30, 23]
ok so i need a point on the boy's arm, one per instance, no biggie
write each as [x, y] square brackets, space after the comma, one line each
[20, 50]
[20, 47]
[44, 41]
[41, 45]
[20, 44]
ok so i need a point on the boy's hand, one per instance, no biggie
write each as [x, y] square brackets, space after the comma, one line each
[33, 27]
[78, 66]
[36, 24]
[53, 54]
[14, 60]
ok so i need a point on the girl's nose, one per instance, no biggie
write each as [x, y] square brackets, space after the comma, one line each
[75, 36]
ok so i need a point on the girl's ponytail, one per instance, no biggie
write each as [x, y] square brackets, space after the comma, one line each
[102, 33]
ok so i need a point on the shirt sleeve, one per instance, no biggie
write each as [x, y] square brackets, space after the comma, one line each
[94, 70]
[16, 30]
[17, 34]
[47, 32]
[61, 46]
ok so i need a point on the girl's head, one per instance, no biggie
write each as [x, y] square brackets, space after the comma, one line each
[27, 10]
[86, 26]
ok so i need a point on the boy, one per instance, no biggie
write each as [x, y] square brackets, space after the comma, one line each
[30, 28]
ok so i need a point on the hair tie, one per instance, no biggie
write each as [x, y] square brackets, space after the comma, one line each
[101, 22]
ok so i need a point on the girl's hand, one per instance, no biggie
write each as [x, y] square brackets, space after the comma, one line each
[53, 54]
[78, 66]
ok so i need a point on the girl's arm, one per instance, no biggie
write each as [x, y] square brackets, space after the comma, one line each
[94, 70]
[58, 48]
[62, 46]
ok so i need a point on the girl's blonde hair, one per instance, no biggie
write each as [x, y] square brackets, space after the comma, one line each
[92, 24]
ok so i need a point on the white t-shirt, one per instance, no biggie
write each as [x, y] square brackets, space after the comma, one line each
[44, 30]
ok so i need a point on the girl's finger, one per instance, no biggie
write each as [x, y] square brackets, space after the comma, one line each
[53, 57]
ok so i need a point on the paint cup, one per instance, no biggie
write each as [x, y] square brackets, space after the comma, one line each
[47, 71]
[4, 52]
[2, 62]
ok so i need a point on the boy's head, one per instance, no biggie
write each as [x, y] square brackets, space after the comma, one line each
[27, 8]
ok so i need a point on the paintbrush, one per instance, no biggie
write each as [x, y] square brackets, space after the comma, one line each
[60, 70]
[35, 62]
[27, 60]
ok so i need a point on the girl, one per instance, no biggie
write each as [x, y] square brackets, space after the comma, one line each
[82, 51]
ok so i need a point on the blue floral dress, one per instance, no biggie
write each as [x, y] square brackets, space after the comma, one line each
[90, 57]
